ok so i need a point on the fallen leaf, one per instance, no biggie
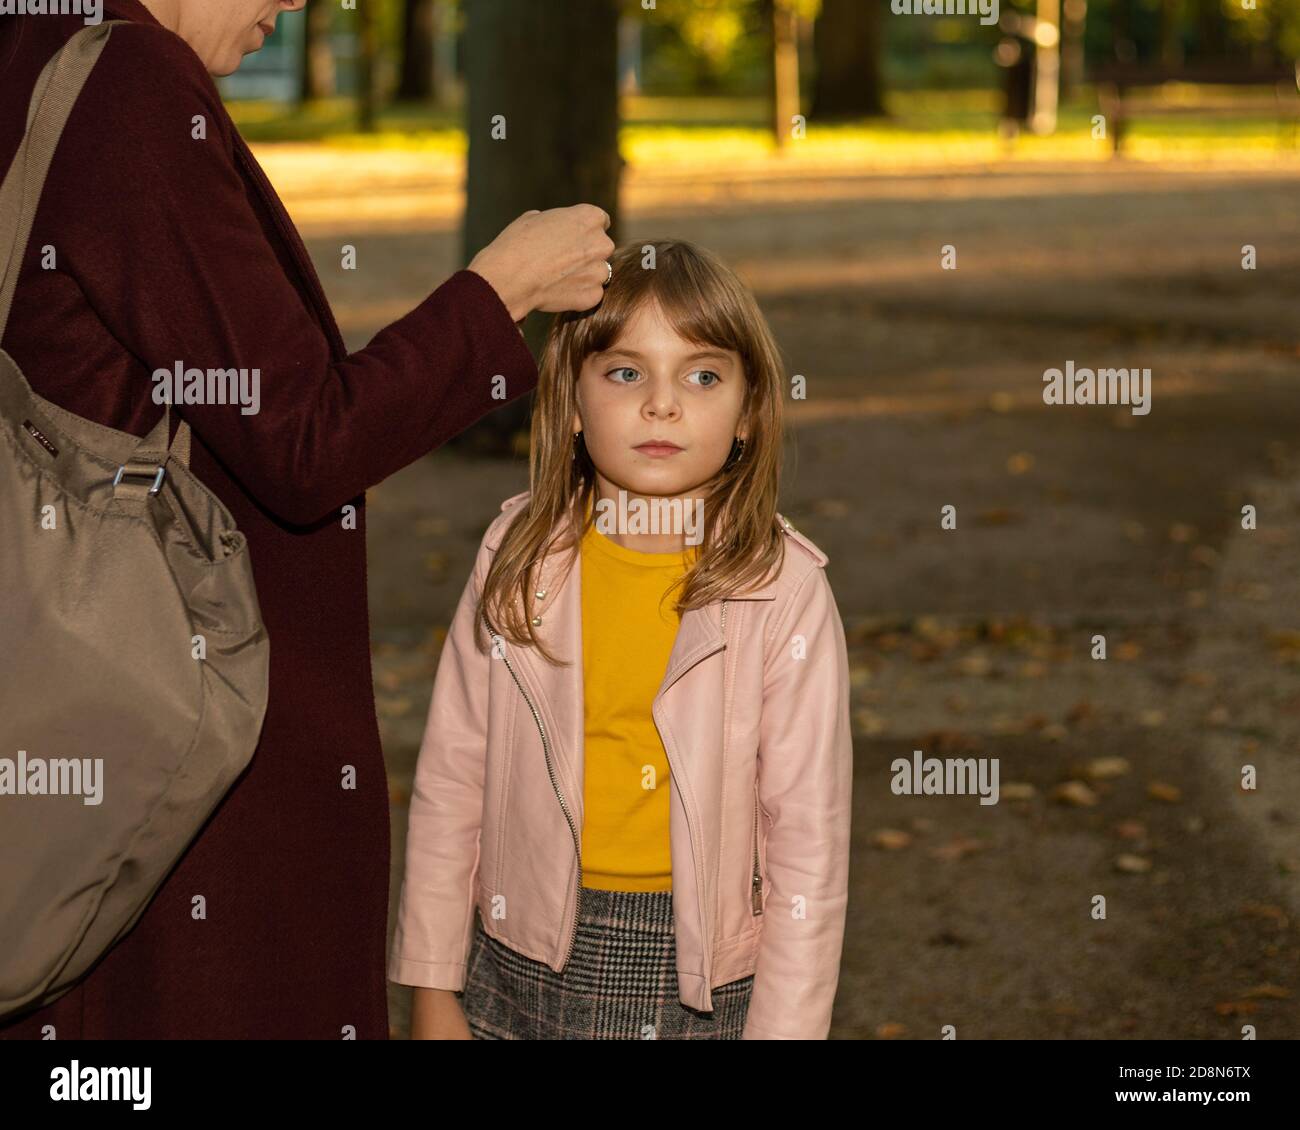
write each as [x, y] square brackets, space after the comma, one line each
[1104, 768]
[1235, 1008]
[1132, 864]
[957, 848]
[892, 839]
[1074, 793]
[1079, 711]
[1217, 715]
[975, 664]
[388, 680]
[867, 723]
[1265, 910]
[831, 507]
[997, 516]
[392, 707]
[1268, 992]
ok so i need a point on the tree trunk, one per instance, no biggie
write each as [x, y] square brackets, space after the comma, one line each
[1073, 28]
[847, 46]
[1211, 29]
[366, 48]
[418, 32]
[318, 80]
[547, 76]
[784, 23]
[1171, 44]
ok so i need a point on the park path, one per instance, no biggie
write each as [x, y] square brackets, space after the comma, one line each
[925, 390]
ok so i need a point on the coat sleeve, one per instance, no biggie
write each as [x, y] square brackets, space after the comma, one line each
[805, 781]
[169, 252]
[435, 914]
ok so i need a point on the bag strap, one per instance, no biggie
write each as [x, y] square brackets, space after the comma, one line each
[56, 90]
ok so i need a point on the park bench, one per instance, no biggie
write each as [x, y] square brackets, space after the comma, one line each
[1116, 80]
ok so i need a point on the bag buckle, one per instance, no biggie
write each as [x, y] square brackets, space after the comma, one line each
[158, 477]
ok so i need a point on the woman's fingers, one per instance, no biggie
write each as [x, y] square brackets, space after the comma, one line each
[552, 260]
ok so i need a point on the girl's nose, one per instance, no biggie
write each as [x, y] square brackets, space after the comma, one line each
[660, 400]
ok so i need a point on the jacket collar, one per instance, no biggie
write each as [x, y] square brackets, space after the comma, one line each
[553, 561]
[699, 633]
[558, 691]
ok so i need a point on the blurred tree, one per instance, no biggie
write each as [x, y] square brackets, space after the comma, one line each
[542, 118]
[1171, 40]
[367, 53]
[1074, 15]
[1211, 28]
[318, 79]
[848, 45]
[418, 34]
[710, 29]
[782, 19]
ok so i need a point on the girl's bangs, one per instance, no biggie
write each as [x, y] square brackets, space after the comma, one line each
[697, 312]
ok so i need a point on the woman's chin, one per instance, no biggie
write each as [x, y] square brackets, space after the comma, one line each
[227, 63]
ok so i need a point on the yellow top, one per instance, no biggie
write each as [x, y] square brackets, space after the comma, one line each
[626, 641]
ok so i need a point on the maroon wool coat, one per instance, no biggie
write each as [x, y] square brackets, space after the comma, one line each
[171, 248]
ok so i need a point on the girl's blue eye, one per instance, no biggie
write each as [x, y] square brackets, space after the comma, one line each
[623, 369]
[711, 373]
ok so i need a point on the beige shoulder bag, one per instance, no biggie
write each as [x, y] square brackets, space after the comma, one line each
[133, 659]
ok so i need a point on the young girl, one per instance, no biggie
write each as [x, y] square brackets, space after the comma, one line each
[630, 816]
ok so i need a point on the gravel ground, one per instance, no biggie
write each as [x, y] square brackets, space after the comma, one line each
[1121, 779]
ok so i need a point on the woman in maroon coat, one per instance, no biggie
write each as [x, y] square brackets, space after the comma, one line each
[170, 245]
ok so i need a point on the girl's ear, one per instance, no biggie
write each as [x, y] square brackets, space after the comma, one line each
[577, 422]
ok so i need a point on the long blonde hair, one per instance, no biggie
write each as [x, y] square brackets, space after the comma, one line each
[704, 301]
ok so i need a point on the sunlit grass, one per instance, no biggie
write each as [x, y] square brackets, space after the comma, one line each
[923, 127]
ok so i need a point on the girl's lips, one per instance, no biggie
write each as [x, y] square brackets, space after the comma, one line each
[658, 450]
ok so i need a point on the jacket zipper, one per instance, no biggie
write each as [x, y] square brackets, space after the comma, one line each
[756, 884]
[546, 749]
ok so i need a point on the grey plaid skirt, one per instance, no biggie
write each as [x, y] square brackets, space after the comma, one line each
[620, 982]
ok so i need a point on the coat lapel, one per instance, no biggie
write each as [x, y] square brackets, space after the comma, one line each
[293, 241]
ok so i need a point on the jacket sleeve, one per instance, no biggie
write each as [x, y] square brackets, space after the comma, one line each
[805, 781]
[435, 915]
[176, 264]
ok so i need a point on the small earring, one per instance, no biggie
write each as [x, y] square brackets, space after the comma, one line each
[737, 450]
[576, 437]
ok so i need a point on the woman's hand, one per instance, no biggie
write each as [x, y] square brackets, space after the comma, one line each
[551, 261]
[436, 1015]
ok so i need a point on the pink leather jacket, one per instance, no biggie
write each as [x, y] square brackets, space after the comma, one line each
[754, 715]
